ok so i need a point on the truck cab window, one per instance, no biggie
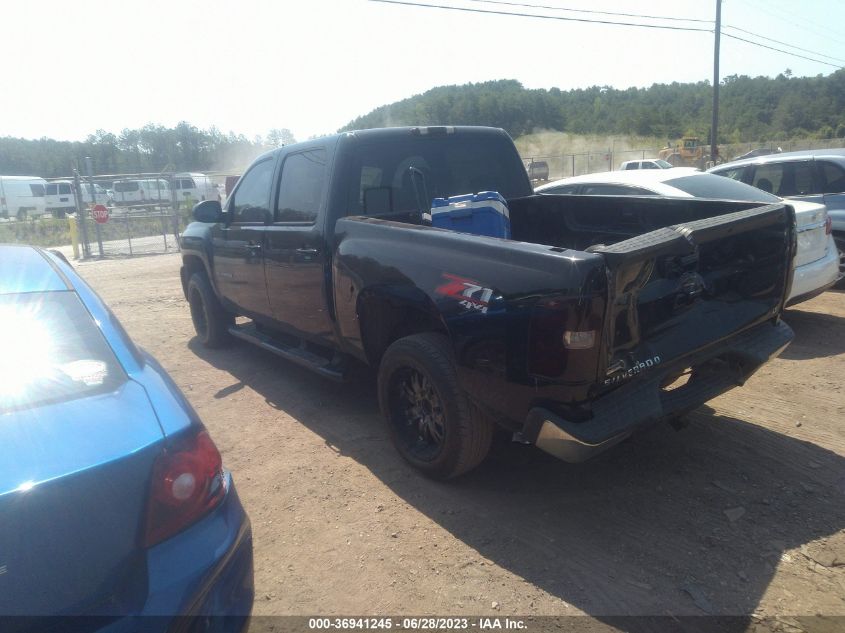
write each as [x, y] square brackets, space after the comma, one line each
[251, 200]
[303, 187]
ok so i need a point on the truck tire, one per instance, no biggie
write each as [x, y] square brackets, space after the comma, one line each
[211, 320]
[431, 421]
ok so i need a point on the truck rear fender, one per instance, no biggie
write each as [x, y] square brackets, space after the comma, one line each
[386, 315]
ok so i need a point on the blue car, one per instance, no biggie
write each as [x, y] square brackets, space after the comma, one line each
[114, 502]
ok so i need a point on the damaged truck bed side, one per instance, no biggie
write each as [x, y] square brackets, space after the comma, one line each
[599, 316]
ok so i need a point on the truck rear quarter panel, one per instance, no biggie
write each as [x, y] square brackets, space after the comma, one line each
[393, 279]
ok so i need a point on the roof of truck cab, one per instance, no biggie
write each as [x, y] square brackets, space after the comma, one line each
[28, 269]
[422, 130]
[384, 133]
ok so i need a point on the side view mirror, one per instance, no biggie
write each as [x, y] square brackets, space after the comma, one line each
[209, 211]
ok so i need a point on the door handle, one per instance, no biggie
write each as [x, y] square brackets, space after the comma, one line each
[306, 254]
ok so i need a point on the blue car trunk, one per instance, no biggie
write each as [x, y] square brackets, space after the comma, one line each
[73, 492]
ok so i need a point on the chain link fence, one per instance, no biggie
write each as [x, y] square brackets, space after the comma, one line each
[144, 213]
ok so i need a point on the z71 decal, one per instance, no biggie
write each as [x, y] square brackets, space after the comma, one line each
[469, 293]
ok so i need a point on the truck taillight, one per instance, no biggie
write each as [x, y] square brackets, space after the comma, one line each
[579, 340]
[188, 482]
[563, 335]
[828, 226]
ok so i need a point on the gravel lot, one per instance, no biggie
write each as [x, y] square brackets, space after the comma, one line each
[742, 512]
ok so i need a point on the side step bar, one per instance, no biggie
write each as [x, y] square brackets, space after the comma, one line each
[334, 369]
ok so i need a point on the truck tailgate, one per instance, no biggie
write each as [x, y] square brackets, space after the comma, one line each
[678, 289]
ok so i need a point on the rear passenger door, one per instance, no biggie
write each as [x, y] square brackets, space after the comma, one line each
[297, 256]
[239, 242]
[788, 179]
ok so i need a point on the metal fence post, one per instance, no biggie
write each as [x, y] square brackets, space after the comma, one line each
[128, 233]
[99, 238]
[163, 227]
[176, 223]
[80, 214]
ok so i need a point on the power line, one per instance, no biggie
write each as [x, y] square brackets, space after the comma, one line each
[772, 48]
[762, 37]
[542, 17]
[795, 21]
[626, 15]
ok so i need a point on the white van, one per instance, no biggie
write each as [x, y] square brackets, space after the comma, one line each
[99, 195]
[197, 187]
[22, 196]
[138, 192]
[61, 200]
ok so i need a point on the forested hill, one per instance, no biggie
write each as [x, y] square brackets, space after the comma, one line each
[750, 109]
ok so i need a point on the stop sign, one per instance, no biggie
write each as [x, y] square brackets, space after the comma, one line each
[100, 213]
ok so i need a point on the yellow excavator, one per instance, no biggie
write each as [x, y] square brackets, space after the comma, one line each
[688, 152]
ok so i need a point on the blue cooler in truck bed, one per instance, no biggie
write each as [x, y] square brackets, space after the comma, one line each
[484, 213]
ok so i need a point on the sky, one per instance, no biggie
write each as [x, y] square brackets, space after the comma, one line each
[312, 66]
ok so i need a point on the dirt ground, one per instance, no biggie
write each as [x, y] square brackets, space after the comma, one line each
[742, 512]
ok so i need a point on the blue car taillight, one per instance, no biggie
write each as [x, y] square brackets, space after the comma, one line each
[188, 482]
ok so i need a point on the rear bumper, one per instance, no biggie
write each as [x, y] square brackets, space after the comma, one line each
[619, 413]
[816, 277]
[198, 581]
[206, 570]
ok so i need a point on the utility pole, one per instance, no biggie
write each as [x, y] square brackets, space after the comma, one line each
[714, 127]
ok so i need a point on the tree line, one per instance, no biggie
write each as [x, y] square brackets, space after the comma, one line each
[750, 108]
[150, 149]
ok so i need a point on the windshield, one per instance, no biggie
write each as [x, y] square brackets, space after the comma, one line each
[720, 188]
[52, 351]
[37, 190]
[126, 185]
[451, 165]
[663, 164]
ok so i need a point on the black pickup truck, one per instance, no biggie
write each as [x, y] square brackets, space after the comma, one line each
[599, 316]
